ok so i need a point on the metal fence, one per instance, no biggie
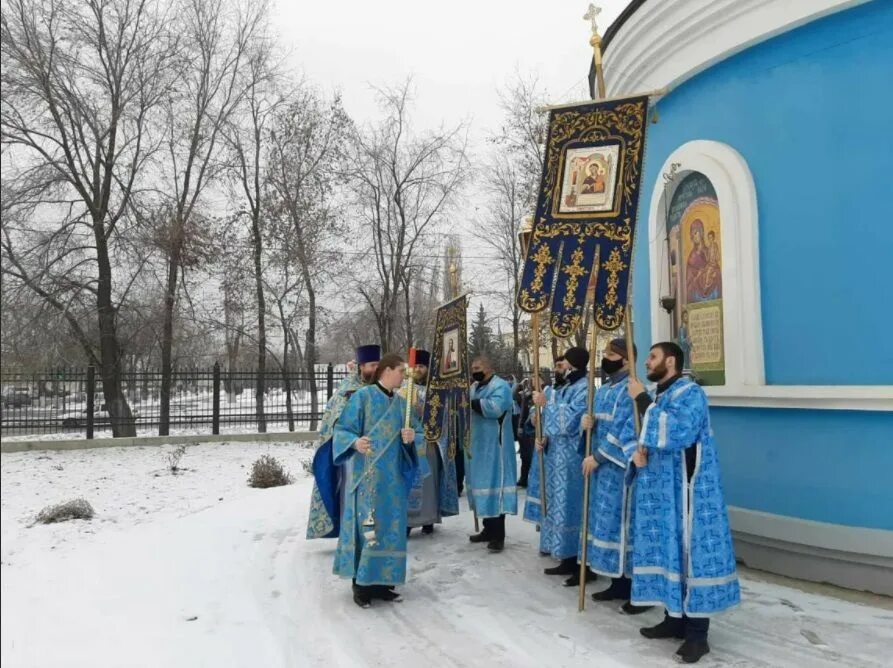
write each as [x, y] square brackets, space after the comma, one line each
[69, 402]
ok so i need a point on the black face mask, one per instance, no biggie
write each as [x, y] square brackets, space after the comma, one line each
[477, 376]
[611, 366]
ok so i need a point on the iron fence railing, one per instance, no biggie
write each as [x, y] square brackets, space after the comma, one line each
[71, 401]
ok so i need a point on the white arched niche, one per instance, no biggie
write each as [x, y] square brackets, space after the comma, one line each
[736, 195]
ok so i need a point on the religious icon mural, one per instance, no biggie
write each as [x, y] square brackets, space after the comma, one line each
[589, 179]
[450, 356]
[695, 253]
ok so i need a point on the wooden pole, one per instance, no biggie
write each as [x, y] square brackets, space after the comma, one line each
[537, 411]
[631, 355]
[454, 285]
[590, 396]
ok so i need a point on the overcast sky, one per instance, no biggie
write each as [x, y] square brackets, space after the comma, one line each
[458, 53]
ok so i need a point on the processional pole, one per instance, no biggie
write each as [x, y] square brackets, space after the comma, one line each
[590, 396]
[454, 287]
[524, 237]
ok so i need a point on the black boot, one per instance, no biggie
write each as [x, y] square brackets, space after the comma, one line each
[670, 627]
[481, 537]
[362, 596]
[566, 567]
[428, 528]
[385, 593]
[691, 651]
[574, 580]
[496, 545]
[618, 591]
[630, 609]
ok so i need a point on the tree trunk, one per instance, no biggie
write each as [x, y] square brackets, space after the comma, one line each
[261, 325]
[286, 379]
[406, 304]
[110, 371]
[167, 340]
[310, 351]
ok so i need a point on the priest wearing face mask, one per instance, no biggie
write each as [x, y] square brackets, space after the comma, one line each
[683, 557]
[560, 528]
[328, 493]
[491, 471]
[608, 549]
[532, 510]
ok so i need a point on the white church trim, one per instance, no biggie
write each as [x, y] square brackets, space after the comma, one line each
[663, 44]
[735, 192]
[742, 309]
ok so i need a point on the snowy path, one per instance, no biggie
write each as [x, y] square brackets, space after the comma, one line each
[200, 570]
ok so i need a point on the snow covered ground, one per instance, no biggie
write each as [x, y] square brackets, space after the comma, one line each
[200, 570]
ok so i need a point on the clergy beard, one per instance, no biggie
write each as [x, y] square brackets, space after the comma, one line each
[658, 373]
[367, 377]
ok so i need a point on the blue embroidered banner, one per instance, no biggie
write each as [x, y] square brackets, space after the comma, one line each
[586, 213]
[446, 398]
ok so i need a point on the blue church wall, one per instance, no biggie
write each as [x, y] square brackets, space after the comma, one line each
[810, 113]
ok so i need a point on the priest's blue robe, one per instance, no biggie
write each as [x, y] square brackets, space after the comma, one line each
[377, 483]
[491, 470]
[683, 557]
[608, 548]
[434, 491]
[533, 502]
[328, 489]
[560, 530]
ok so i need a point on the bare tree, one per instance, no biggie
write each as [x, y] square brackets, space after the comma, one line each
[510, 183]
[506, 192]
[216, 35]
[81, 79]
[306, 149]
[406, 185]
[246, 136]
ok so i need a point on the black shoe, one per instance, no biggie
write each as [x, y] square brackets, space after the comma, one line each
[691, 651]
[566, 567]
[630, 609]
[481, 537]
[496, 545]
[574, 580]
[362, 598]
[428, 528]
[612, 593]
[385, 593]
[670, 627]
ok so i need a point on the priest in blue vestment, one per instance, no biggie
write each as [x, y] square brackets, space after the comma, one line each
[533, 501]
[491, 469]
[560, 528]
[608, 545]
[432, 496]
[683, 556]
[328, 488]
[380, 460]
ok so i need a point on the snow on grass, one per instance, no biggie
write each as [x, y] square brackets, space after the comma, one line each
[198, 569]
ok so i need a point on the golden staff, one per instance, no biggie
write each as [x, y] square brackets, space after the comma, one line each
[590, 396]
[631, 353]
[410, 367]
[524, 237]
[454, 285]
